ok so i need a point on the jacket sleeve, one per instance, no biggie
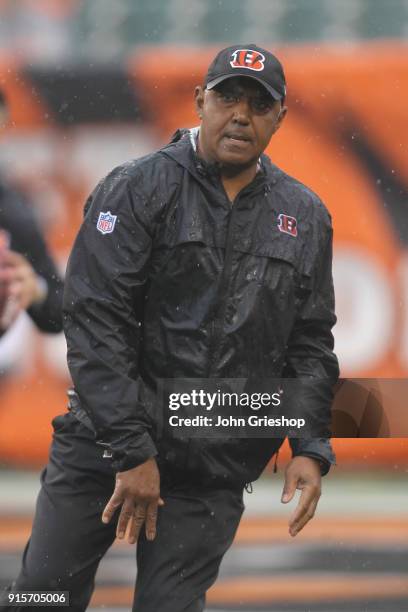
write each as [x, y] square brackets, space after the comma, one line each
[310, 353]
[103, 313]
[47, 315]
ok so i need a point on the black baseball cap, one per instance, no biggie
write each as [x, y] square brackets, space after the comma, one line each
[249, 61]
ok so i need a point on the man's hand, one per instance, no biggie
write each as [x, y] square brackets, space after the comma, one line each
[138, 492]
[23, 287]
[302, 473]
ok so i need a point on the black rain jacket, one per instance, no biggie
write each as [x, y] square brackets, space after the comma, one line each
[188, 286]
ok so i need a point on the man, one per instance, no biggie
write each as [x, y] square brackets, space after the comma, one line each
[203, 260]
[28, 276]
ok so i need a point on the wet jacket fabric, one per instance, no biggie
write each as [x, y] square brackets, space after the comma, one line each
[188, 286]
[25, 236]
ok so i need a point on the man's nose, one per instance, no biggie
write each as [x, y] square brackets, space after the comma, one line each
[242, 111]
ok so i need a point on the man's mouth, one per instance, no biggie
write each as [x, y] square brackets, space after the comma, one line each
[237, 136]
[238, 140]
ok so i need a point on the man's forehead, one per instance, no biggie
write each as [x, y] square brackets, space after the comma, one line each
[243, 84]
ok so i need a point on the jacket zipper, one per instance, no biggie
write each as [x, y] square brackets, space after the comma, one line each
[218, 321]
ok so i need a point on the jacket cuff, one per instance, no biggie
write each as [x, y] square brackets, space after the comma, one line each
[316, 448]
[132, 453]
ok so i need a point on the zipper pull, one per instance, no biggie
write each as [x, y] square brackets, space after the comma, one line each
[249, 488]
[275, 467]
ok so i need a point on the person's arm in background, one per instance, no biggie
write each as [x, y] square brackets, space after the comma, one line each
[310, 357]
[28, 270]
[103, 317]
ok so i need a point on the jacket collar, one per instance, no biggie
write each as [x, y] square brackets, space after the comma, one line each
[183, 149]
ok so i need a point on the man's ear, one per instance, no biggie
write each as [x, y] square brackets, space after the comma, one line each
[199, 100]
[280, 118]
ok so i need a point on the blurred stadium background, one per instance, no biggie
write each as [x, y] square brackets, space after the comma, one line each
[92, 83]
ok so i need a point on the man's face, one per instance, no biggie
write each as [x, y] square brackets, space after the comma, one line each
[238, 117]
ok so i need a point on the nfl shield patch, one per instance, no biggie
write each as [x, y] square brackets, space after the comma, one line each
[106, 222]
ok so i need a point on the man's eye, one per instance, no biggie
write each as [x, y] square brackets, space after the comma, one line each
[261, 106]
[229, 98]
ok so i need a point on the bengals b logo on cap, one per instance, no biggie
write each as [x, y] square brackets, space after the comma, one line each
[248, 58]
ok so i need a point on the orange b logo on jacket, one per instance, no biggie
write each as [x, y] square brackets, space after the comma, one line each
[247, 58]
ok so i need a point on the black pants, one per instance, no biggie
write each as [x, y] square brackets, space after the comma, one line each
[195, 528]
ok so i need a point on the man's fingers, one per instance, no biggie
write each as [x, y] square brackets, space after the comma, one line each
[297, 526]
[135, 489]
[127, 514]
[131, 518]
[151, 520]
[15, 290]
[144, 513]
[111, 507]
[136, 522]
[139, 519]
[307, 496]
[305, 509]
[14, 266]
[12, 258]
[289, 489]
